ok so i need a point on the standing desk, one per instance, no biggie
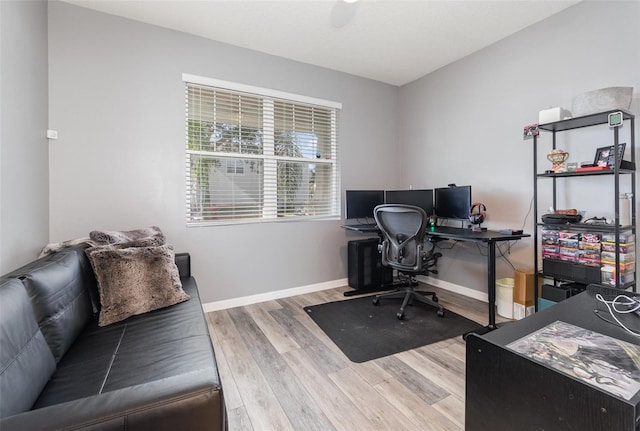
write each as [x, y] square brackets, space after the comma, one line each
[489, 237]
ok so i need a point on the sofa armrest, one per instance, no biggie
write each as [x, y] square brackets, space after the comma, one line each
[191, 401]
[183, 262]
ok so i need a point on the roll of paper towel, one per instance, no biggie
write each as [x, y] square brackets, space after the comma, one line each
[624, 204]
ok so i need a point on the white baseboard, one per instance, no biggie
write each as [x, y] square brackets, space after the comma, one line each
[456, 288]
[269, 296]
[284, 293]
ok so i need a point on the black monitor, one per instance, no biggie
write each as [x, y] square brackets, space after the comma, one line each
[360, 203]
[453, 202]
[419, 198]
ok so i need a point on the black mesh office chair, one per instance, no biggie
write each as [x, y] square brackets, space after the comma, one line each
[403, 233]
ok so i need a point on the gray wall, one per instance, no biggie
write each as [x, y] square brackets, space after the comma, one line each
[117, 101]
[24, 168]
[116, 98]
[463, 123]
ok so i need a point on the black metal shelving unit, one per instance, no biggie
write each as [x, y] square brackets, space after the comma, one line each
[568, 271]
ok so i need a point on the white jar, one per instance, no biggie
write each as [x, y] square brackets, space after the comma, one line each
[624, 205]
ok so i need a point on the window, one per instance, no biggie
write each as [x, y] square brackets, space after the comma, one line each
[235, 167]
[255, 154]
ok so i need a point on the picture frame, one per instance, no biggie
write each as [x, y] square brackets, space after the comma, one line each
[530, 131]
[605, 155]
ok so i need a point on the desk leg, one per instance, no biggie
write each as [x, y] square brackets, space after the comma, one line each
[491, 290]
[491, 284]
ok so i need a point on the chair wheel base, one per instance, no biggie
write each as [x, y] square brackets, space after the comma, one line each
[400, 316]
[376, 301]
[435, 298]
[440, 313]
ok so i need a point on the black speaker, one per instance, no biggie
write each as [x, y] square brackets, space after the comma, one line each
[364, 266]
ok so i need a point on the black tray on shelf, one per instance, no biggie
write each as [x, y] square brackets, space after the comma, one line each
[560, 219]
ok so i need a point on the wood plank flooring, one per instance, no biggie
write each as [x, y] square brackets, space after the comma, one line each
[279, 371]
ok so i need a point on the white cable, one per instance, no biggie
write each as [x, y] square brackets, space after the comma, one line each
[612, 304]
[627, 301]
[630, 302]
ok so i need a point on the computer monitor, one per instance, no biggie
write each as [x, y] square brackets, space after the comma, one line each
[360, 203]
[420, 198]
[453, 202]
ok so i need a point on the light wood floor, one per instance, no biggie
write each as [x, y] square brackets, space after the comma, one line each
[279, 371]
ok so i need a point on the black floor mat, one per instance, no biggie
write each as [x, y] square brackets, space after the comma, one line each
[364, 331]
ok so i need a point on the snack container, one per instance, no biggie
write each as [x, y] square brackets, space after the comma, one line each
[592, 237]
[589, 257]
[565, 234]
[610, 257]
[594, 246]
[623, 247]
[608, 276]
[625, 237]
[570, 243]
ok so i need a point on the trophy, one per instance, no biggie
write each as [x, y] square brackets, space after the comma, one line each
[558, 157]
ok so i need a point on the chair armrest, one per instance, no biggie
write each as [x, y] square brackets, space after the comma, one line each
[183, 262]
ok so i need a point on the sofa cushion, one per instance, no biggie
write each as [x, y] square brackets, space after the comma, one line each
[135, 280]
[153, 346]
[26, 362]
[60, 301]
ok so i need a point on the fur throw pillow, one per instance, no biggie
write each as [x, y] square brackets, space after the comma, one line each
[149, 236]
[135, 280]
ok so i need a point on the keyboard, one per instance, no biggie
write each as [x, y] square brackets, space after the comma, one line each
[363, 227]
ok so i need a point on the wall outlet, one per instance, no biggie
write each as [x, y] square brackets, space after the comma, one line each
[52, 134]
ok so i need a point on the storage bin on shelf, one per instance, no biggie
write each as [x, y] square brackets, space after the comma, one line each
[588, 257]
[627, 256]
[589, 249]
[609, 258]
[550, 246]
[623, 247]
[568, 242]
[608, 274]
[626, 237]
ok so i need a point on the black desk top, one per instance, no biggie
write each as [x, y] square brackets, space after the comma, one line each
[449, 232]
[578, 311]
[463, 234]
[367, 227]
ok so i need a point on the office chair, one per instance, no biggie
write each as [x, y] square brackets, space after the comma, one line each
[402, 229]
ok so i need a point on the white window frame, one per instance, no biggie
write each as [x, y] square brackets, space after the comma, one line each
[269, 213]
[234, 167]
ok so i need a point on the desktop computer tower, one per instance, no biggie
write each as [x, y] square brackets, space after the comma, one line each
[364, 266]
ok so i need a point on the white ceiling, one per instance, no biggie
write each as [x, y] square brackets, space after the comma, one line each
[393, 41]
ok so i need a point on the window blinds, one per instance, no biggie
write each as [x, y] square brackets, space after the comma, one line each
[256, 157]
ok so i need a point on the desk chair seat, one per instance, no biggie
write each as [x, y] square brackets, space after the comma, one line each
[402, 248]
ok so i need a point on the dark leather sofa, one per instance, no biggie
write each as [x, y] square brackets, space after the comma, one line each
[60, 370]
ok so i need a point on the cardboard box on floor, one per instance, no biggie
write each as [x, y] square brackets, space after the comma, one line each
[523, 294]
